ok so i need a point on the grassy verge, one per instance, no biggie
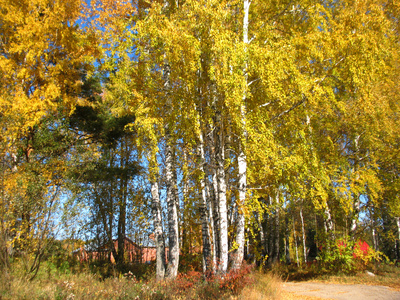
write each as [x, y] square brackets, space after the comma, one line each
[243, 284]
[246, 284]
[264, 286]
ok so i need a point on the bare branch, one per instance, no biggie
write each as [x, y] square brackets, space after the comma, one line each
[290, 109]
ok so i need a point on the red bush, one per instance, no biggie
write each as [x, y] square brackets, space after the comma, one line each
[236, 280]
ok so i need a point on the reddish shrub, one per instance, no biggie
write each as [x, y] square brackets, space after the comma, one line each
[236, 280]
[187, 281]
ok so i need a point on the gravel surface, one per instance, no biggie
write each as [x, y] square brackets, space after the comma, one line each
[341, 291]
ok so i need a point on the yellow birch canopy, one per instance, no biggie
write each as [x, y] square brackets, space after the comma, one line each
[42, 61]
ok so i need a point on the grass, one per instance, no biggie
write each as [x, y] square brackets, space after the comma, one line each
[264, 286]
[243, 284]
[248, 284]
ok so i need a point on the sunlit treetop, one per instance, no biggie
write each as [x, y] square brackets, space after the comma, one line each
[44, 57]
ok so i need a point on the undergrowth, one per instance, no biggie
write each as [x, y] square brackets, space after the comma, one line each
[244, 283]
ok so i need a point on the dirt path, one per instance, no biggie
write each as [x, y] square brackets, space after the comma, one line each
[340, 291]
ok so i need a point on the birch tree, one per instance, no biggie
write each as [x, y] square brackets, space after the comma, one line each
[283, 89]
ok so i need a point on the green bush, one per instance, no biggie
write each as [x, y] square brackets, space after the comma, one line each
[346, 256]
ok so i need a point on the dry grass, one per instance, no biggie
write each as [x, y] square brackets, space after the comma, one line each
[269, 286]
[264, 286]
[237, 285]
[240, 286]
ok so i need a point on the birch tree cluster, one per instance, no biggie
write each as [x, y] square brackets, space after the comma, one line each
[258, 130]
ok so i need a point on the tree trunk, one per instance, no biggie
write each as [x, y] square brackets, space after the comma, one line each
[203, 210]
[303, 235]
[287, 235]
[185, 191]
[270, 226]
[214, 219]
[328, 224]
[158, 232]
[170, 166]
[354, 220]
[222, 208]
[398, 233]
[263, 239]
[122, 205]
[356, 200]
[173, 228]
[242, 159]
[277, 231]
[122, 223]
[295, 240]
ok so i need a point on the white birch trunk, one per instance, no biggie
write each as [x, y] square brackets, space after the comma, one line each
[242, 159]
[173, 228]
[356, 201]
[185, 191]
[223, 218]
[158, 232]
[203, 210]
[328, 223]
[173, 222]
[222, 208]
[287, 237]
[240, 237]
[374, 239]
[295, 241]
[213, 221]
[277, 231]
[262, 234]
[398, 228]
[303, 235]
[354, 220]
[213, 189]
[270, 232]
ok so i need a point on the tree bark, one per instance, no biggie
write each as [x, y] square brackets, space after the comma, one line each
[122, 204]
[170, 166]
[354, 220]
[277, 231]
[213, 213]
[270, 226]
[287, 235]
[122, 223]
[295, 240]
[356, 197]
[398, 233]
[242, 159]
[158, 232]
[222, 208]
[303, 235]
[207, 262]
[173, 228]
[328, 224]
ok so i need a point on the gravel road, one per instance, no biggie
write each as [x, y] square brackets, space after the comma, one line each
[341, 291]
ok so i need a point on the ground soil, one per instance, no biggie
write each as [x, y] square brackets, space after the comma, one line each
[316, 290]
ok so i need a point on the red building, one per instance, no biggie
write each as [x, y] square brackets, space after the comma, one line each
[132, 252]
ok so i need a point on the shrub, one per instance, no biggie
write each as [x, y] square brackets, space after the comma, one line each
[347, 256]
[337, 256]
[235, 280]
[364, 255]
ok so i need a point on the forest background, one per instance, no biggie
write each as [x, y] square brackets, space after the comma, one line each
[223, 130]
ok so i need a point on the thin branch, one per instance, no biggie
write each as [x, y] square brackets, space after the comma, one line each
[290, 109]
[251, 82]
